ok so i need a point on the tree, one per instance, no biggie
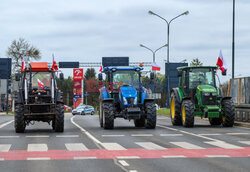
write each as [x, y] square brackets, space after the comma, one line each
[66, 86]
[22, 49]
[90, 74]
[196, 62]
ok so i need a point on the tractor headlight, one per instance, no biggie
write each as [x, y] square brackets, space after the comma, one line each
[135, 101]
[206, 94]
[214, 94]
[125, 101]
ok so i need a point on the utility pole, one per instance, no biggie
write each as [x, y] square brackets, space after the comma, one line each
[233, 46]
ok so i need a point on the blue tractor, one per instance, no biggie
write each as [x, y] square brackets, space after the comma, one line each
[123, 96]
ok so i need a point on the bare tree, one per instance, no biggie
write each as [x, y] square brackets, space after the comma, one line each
[196, 62]
[22, 49]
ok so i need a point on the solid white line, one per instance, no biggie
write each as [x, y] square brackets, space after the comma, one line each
[123, 163]
[37, 136]
[167, 127]
[224, 145]
[41, 158]
[171, 135]
[7, 137]
[7, 123]
[150, 145]
[85, 157]
[76, 147]
[141, 135]
[217, 156]
[5, 147]
[66, 136]
[237, 133]
[128, 157]
[112, 146]
[245, 142]
[84, 131]
[186, 145]
[37, 147]
[215, 134]
[118, 135]
[174, 156]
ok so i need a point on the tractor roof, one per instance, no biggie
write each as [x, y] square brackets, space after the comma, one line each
[195, 67]
[115, 68]
[39, 66]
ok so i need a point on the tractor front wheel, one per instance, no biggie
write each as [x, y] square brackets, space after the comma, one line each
[215, 121]
[187, 112]
[139, 122]
[108, 116]
[59, 118]
[101, 115]
[151, 115]
[19, 119]
[229, 116]
[175, 108]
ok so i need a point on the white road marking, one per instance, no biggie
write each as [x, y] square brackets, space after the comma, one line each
[186, 145]
[171, 135]
[150, 145]
[8, 137]
[123, 163]
[237, 133]
[224, 145]
[7, 123]
[76, 147]
[85, 158]
[37, 147]
[212, 134]
[174, 156]
[132, 170]
[38, 136]
[113, 135]
[112, 146]
[217, 156]
[41, 158]
[128, 157]
[141, 135]
[245, 142]
[5, 147]
[1, 159]
[66, 136]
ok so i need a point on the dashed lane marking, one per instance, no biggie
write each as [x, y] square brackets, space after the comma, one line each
[217, 156]
[8, 137]
[212, 134]
[171, 135]
[85, 158]
[1, 159]
[245, 142]
[41, 158]
[237, 133]
[113, 135]
[5, 147]
[224, 145]
[67, 136]
[127, 157]
[123, 163]
[150, 145]
[37, 147]
[141, 135]
[132, 170]
[38, 136]
[7, 123]
[113, 146]
[186, 145]
[174, 156]
[76, 147]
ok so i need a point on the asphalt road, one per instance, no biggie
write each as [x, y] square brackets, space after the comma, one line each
[84, 146]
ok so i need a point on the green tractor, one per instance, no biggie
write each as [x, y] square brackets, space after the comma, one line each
[197, 95]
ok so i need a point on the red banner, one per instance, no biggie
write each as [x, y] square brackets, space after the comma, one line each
[77, 83]
[78, 74]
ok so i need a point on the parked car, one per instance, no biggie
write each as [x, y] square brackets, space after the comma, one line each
[67, 108]
[78, 110]
[84, 110]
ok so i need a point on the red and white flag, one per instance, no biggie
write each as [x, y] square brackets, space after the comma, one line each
[222, 64]
[40, 83]
[156, 67]
[22, 65]
[101, 68]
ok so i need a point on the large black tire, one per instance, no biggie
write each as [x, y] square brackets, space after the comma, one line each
[139, 122]
[108, 115]
[187, 113]
[215, 121]
[101, 115]
[19, 119]
[59, 118]
[151, 115]
[175, 108]
[229, 109]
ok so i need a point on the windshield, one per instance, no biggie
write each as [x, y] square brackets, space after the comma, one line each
[200, 76]
[40, 80]
[130, 78]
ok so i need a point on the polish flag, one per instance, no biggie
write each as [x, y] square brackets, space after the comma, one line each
[101, 68]
[40, 83]
[54, 65]
[156, 67]
[22, 65]
[222, 64]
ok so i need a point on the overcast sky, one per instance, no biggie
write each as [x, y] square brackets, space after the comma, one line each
[84, 30]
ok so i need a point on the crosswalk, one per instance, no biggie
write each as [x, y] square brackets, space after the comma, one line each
[112, 146]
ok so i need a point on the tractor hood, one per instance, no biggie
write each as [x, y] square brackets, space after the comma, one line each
[206, 89]
[128, 91]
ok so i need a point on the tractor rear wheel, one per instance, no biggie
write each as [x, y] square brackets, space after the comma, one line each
[19, 119]
[59, 118]
[139, 122]
[175, 108]
[228, 118]
[215, 121]
[187, 112]
[108, 116]
[151, 115]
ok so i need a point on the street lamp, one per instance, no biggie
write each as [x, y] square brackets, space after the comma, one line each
[153, 51]
[168, 25]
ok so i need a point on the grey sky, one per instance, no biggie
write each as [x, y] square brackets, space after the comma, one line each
[87, 30]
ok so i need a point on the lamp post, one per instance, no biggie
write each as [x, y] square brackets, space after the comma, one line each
[233, 46]
[152, 50]
[168, 32]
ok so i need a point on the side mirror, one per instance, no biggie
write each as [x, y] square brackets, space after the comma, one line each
[61, 76]
[152, 75]
[17, 76]
[179, 73]
[100, 76]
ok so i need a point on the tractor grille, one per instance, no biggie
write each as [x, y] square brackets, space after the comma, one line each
[130, 101]
[209, 100]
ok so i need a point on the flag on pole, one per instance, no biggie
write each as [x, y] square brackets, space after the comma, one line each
[101, 68]
[22, 65]
[156, 67]
[222, 64]
[40, 83]
[54, 65]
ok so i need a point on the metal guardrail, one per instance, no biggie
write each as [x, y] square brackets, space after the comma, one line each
[242, 112]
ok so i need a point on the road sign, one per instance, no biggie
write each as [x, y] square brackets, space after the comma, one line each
[115, 61]
[5, 68]
[77, 96]
[78, 74]
[68, 64]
